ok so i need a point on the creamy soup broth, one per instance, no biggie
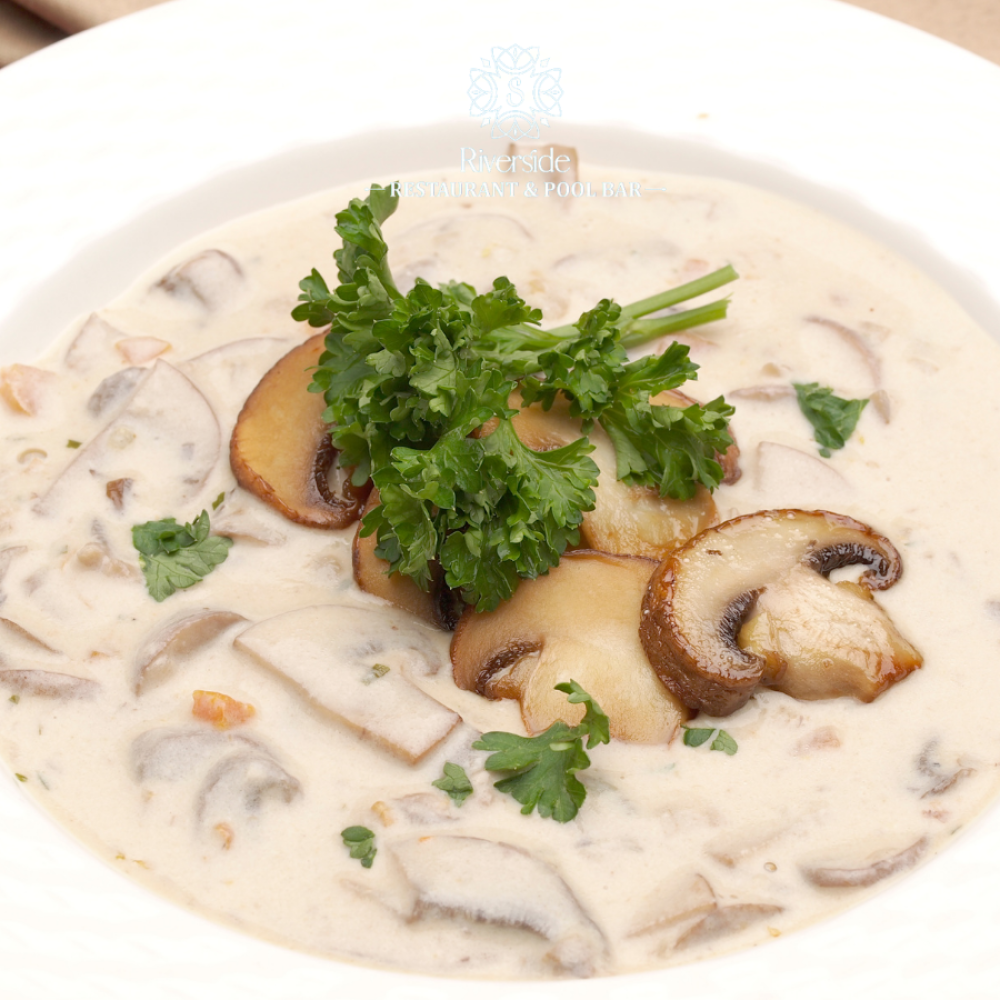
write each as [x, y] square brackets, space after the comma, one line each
[678, 852]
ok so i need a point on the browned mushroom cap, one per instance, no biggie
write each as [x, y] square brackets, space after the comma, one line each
[439, 606]
[280, 449]
[579, 622]
[819, 639]
[626, 520]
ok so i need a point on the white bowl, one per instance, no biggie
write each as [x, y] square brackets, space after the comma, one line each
[117, 144]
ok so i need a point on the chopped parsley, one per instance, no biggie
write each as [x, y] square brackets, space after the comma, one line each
[833, 419]
[410, 379]
[217, 502]
[377, 670]
[361, 841]
[723, 742]
[455, 782]
[543, 768]
[175, 556]
[73, 444]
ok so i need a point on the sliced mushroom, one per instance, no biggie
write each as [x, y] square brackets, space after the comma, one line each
[30, 666]
[626, 520]
[239, 785]
[439, 606]
[48, 684]
[93, 340]
[700, 597]
[117, 491]
[579, 622]
[165, 439]
[208, 279]
[417, 808]
[98, 556]
[228, 374]
[825, 640]
[797, 477]
[233, 775]
[682, 898]
[350, 662]
[163, 651]
[280, 449]
[727, 920]
[862, 875]
[459, 876]
[172, 754]
[112, 391]
[18, 638]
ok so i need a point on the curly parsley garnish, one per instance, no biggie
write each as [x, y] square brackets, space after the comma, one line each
[410, 379]
[175, 556]
[361, 842]
[455, 782]
[833, 419]
[543, 768]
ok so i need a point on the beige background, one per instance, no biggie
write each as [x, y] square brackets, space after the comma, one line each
[28, 25]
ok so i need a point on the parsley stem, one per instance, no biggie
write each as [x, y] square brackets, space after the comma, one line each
[641, 331]
[674, 296]
[635, 331]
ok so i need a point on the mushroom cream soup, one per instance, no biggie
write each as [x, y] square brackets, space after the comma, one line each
[215, 745]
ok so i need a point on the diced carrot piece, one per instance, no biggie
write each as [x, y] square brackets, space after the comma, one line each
[221, 710]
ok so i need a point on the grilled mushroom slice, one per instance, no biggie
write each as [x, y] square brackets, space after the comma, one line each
[280, 449]
[579, 622]
[627, 520]
[811, 638]
[439, 606]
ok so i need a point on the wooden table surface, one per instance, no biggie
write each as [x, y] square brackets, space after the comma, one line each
[28, 25]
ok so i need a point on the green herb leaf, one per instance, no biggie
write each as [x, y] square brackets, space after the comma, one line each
[217, 502]
[72, 444]
[174, 556]
[695, 737]
[833, 419]
[409, 381]
[361, 842]
[455, 782]
[543, 768]
[725, 743]
[722, 742]
[20, 777]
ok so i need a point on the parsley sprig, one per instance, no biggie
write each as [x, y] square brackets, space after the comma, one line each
[543, 768]
[455, 782]
[833, 419]
[361, 843]
[410, 379]
[176, 556]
